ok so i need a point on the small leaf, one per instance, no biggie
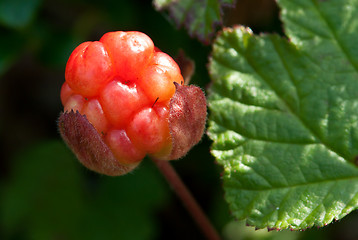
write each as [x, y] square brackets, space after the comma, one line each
[42, 197]
[284, 116]
[47, 196]
[200, 18]
[17, 13]
[14, 44]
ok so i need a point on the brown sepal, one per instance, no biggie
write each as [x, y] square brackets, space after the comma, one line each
[187, 118]
[87, 144]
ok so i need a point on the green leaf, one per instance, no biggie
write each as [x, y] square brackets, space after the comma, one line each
[126, 206]
[17, 13]
[47, 196]
[42, 198]
[200, 18]
[14, 44]
[284, 116]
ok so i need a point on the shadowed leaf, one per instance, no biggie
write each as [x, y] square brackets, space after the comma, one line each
[201, 18]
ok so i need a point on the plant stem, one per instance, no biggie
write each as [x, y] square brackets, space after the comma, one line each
[188, 200]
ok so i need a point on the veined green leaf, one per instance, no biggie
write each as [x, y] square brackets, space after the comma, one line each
[284, 116]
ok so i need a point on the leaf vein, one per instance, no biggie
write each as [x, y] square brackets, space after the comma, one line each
[336, 39]
[283, 200]
[236, 101]
[321, 203]
[263, 139]
[249, 206]
[308, 29]
[327, 181]
[288, 106]
[280, 171]
[257, 173]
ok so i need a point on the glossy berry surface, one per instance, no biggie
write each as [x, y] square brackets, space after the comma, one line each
[123, 85]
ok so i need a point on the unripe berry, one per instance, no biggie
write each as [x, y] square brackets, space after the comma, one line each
[124, 99]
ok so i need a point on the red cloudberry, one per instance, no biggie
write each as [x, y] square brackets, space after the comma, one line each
[132, 94]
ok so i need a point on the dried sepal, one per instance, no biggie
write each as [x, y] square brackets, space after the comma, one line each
[187, 118]
[88, 146]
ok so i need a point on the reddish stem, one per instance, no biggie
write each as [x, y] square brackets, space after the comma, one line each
[188, 200]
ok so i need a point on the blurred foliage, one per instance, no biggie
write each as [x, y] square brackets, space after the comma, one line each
[44, 192]
[17, 13]
[47, 197]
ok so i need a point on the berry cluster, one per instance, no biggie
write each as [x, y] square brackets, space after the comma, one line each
[124, 86]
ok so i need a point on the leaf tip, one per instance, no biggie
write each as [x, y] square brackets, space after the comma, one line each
[270, 229]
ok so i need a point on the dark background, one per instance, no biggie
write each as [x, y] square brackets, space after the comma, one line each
[45, 192]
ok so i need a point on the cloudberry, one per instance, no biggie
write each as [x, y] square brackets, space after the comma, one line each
[124, 99]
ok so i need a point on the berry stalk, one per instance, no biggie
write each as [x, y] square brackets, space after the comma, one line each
[187, 199]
